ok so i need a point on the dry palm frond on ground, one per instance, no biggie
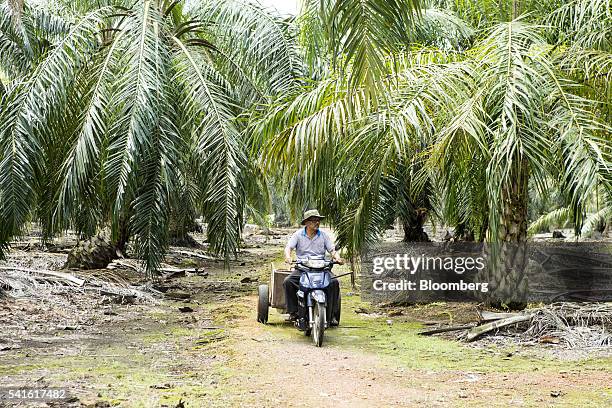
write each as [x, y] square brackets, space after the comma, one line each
[571, 324]
[38, 283]
[574, 324]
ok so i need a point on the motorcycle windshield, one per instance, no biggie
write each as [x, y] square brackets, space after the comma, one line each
[314, 280]
[316, 263]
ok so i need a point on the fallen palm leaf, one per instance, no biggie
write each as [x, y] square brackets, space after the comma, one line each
[60, 275]
[478, 331]
[485, 315]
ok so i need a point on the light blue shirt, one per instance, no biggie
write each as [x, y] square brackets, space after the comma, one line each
[310, 248]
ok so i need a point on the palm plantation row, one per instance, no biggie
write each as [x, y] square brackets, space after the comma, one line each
[142, 115]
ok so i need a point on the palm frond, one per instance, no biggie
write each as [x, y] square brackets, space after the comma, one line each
[301, 137]
[26, 38]
[515, 91]
[586, 154]
[585, 24]
[358, 226]
[557, 218]
[83, 160]
[20, 142]
[137, 93]
[150, 219]
[16, 171]
[442, 29]
[362, 34]
[583, 30]
[259, 44]
[13, 54]
[218, 145]
[313, 40]
[594, 220]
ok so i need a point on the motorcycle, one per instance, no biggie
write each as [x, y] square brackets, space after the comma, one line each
[313, 305]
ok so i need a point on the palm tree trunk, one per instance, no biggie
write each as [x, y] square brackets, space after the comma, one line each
[413, 226]
[98, 251]
[93, 253]
[464, 233]
[516, 8]
[123, 236]
[507, 270]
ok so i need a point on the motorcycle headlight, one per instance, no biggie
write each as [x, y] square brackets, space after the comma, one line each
[319, 296]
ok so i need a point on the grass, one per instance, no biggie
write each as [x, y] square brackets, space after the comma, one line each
[135, 369]
[400, 342]
[205, 367]
[399, 346]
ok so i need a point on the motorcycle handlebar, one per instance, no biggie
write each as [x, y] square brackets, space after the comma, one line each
[298, 262]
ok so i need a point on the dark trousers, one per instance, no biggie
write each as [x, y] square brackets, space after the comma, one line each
[292, 285]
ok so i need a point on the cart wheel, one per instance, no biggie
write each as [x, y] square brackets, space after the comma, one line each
[263, 305]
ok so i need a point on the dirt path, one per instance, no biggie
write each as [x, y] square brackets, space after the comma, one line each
[142, 355]
[274, 364]
[295, 373]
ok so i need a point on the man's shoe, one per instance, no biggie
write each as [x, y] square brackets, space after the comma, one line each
[334, 322]
[301, 324]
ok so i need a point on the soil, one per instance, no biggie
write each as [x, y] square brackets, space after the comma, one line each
[198, 344]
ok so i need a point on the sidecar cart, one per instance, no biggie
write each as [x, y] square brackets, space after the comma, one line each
[272, 298]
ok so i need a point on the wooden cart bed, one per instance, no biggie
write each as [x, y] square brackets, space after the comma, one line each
[277, 292]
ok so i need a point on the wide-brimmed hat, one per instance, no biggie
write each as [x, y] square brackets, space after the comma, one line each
[310, 214]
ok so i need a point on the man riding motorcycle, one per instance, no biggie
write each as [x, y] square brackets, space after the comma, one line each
[310, 243]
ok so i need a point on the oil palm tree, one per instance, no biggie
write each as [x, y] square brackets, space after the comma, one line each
[521, 114]
[326, 138]
[133, 114]
[481, 124]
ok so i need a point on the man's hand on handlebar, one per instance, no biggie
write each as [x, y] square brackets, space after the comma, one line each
[288, 261]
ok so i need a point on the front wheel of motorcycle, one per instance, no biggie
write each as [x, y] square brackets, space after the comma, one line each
[318, 327]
